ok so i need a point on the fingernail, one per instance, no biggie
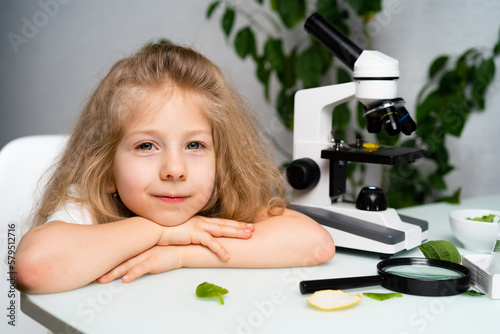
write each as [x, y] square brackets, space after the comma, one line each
[227, 255]
[125, 278]
[104, 276]
[247, 230]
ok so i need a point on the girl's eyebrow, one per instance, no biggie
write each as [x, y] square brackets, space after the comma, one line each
[150, 132]
[155, 132]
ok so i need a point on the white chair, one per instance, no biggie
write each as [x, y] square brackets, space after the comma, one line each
[23, 163]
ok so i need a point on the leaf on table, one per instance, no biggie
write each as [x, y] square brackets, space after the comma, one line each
[207, 290]
[441, 250]
[472, 293]
[381, 296]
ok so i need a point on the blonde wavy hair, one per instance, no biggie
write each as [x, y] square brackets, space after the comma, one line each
[246, 179]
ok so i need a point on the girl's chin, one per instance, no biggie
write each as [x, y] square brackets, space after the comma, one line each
[171, 221]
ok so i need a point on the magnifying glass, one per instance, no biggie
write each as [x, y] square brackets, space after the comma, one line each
[414, 276]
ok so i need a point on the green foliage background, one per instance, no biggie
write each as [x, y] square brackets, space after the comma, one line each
[455, 88]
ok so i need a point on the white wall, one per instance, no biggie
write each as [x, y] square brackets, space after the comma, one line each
[46, 79]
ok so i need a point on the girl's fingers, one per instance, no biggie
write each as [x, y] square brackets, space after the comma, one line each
[228, 228]
[154, 260]
[211, 243]
[137, 271]
[121, 269]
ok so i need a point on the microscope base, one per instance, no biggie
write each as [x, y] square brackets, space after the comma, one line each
[382, 232]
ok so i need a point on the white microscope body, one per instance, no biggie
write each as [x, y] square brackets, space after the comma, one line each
[381, 231]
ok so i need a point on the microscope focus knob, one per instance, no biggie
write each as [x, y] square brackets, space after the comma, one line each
[371, 199]
[303, 174]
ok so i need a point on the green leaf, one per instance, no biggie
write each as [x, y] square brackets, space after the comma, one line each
[455, 116]
[244, 43]
[228, 21]
[437, 65]
[213, 6]
[361, 120]
[273, 52]
[263, 74]
[284, 107]
[341, 116]
[366, 8]
[441, 250]
[472, 293]
[484, 219]
[486, 71]
[291, 12]
[343, 75]
[386, 139]
[328, 9]
[207, 290]
[409, 143]
[287, 76]
[483, 77]
[428, 108]
[453, 199]
[496, 49]
[309, 67]
[437, 181]
[449, 82]
[382, 296]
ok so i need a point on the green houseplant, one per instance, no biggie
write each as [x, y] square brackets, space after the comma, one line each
[456, 87]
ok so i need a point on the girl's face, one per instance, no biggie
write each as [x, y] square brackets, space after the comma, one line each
[164, 167]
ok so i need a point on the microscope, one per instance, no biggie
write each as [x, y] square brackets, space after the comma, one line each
[318, 172]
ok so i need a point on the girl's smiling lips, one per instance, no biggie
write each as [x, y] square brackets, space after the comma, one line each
[172, 198]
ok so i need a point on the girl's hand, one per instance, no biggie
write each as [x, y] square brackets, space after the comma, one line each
[154, 260]
[201, 230]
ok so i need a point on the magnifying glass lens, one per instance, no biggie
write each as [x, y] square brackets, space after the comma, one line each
[424, 272]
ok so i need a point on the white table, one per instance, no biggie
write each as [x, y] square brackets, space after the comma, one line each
[268, 300]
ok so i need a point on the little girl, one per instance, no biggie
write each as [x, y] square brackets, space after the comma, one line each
[165, 169]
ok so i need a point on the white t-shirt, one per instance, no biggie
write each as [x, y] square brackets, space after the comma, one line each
[72, 212]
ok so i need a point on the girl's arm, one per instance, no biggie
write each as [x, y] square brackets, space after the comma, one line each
[59, 256]
[291, 239]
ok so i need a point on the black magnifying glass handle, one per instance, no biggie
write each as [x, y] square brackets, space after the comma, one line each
[339, 283]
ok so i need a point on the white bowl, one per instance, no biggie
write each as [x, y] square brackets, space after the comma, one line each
[475, 236]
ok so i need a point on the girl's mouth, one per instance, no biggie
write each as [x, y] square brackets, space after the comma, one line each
[172, 199]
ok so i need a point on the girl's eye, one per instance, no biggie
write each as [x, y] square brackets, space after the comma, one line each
[146, 146]
[194, 146]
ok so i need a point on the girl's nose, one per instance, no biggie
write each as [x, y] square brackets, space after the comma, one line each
[173, 168]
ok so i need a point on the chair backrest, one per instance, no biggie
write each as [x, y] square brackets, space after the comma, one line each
[23, 162]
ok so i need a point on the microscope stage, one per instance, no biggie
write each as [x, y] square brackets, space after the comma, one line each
[385, 155]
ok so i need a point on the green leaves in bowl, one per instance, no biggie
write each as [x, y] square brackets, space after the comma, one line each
[484, 219]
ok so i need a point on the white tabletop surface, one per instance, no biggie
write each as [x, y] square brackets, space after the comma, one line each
[268, 300]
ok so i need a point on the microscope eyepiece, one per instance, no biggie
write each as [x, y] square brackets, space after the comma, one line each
[332, 39]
